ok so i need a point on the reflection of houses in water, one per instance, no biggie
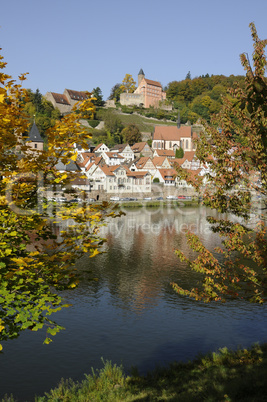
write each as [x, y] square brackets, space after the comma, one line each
[140, 262]
[150, 238]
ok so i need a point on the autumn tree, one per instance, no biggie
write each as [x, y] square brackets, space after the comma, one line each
[234, 146]
[131, 134]
[35, 265]
[128, 84]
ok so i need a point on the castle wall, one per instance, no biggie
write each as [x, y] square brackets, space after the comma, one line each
[129, 99]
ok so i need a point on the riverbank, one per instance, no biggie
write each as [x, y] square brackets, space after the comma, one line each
[224, 376]
[158, 204]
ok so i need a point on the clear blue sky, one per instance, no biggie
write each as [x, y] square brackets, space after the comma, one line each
[82, 44]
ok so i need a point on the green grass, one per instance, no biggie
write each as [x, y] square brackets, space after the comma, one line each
[223, 376]
[157, 204]
[143, 123]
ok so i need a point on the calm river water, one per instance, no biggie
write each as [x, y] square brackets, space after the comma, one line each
[131, 315]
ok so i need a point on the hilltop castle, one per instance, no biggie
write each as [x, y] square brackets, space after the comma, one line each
[148, 93]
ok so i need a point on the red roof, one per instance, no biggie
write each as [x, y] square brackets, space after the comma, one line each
[171, 133]
[76, 95]
[155, 83]
[165, 152]
[158, 160]
[60, 98]
[141, 162]
[139, 146]
[168, 174]
[136, 174]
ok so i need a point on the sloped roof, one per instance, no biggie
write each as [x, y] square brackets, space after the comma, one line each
[106, 169]
[168, 174]
[98, 146]
[76, 95]
[158, 160]
[178, 161]
[88, 167]
[165, 152]
[141, 162]
[35, 135]
[70, 167]
[139, 146]
[137, 174]
[114, 155]
[119, 147]
[189, 155]
[171, 133]
[155, 83]
[60, 98]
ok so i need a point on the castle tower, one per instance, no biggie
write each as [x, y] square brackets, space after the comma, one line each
[141, 75]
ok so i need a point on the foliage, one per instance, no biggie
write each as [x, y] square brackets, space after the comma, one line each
[35, 264]
[128, 84]
[126, 109]
[93, 123]
[97, 94]
[40, 110]
[131, 134]
[179, 153]
[188, 76]
[222, 376]
[115, 92]
[235, 149]
[191, 95]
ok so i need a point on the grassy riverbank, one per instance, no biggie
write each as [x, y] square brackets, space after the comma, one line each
[158, 204]
[223, 376]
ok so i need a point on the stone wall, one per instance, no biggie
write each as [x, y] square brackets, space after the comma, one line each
[129, 99]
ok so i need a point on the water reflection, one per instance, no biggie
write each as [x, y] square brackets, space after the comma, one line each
[131, 315]
[140, 261]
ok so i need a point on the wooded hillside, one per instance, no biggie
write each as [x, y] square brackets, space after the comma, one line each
[200, 96]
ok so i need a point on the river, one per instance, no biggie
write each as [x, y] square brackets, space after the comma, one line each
[131, 315]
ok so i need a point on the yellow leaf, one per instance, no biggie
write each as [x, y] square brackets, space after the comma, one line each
[95, 252]
[74, 157]
[2, 97]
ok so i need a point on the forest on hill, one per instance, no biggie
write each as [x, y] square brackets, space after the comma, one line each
[200, 97]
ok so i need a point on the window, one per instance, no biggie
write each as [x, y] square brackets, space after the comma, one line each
[186, 144]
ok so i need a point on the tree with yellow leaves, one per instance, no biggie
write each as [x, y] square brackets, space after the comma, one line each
[35, 264]
[235, 148]
[128, 84]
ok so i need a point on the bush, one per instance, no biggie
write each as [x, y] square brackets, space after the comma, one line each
[126, 109]
[93, 123]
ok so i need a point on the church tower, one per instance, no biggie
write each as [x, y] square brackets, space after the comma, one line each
[141, 75]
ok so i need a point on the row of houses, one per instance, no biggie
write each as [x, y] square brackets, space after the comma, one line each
[124, 169]
[132, 169]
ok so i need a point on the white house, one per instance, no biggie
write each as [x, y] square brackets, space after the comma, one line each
[124, 150]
